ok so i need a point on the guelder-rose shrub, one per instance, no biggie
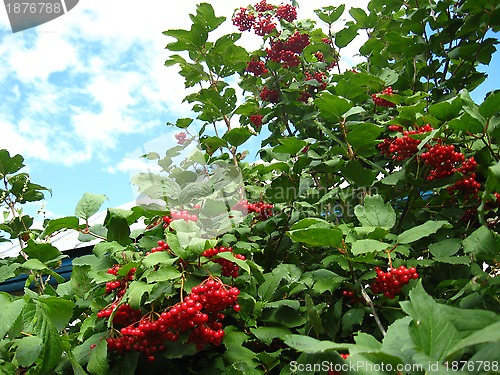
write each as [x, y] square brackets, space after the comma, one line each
[367, 231]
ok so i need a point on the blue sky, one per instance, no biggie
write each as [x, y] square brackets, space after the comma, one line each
[85, 94]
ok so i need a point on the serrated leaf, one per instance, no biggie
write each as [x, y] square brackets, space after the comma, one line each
[54, 225]
[135, 293]
[229, 256]
[330, 14]
[44, 252]
[9, 313]
[267, 334]
[163, 273]
[375, 213]
[368, 246]
[60, 310]
[98, 361]
[482, 243]
[237, 136]
[421, 231]
[316, 232]
[311, 345]
[89, 205]
[389, 76]
[491, 105]
[332, 107]
[346, 36]
[432, 331]
[28, 349]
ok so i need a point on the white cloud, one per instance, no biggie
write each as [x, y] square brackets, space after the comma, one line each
[110, 55]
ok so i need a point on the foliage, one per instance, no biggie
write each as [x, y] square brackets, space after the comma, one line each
[388, 165]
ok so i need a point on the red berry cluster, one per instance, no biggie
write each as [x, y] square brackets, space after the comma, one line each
[200, 313]
[351, 295]
[121, 283]
[390, 283]
[467, 185]
[395, 128]
[256, 120]
[256, 67]
[162, 246]
[287, 52]
[184, 215]
[401, 148]
[319, 56]
[124, 314]
[166, 221]
[271, 96]
[443, 159]
[264, 25]
[263, 210]
[286, 12]
[260, 18]
[181, 138]
[263, 6]
[228, 268]
[383, 102]
[321, 78]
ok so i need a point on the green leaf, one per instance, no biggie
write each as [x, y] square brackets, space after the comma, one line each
[135, 293]
[488, 334]
[183, 123]
[34, 265]
[447, 110]
[8, 271]
[9, 313]
[311, 345]
[351, 318]
[163, 273]
[346, 36]
[291, 146]
[267, 334]
[54, 225]
[362, 135]
[315, 232]
[368, 246]
[156, 186]
[332, 107]
[330, 14]
[357, 174]
[52, 344]
[159, 257]
[445, 248]
[432, 331]
[44, 252]
[89, 205]
[8, 164]
[229, 256]
[237, 136]
[421, 231]
[103, 248]
[98, 361]
[491, 105]
[28, 349]
[59, 309]
[313, 316]
[118, 230]
[375, 213]
[482, 243]
[389, 76]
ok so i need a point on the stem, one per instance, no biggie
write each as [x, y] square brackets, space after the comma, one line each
[350, 152]
[370, 303]
[374, 312]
